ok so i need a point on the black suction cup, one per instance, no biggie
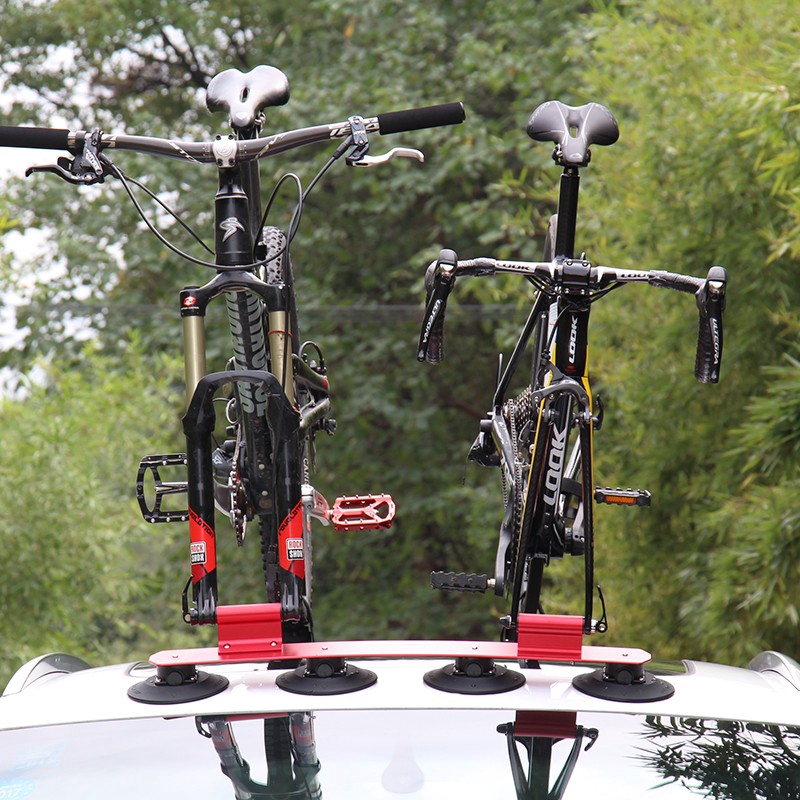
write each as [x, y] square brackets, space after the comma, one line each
[177, 685]
[474, 676]
[623, 683]
[326, 676]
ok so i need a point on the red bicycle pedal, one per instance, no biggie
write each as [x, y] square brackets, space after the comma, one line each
[368, 512]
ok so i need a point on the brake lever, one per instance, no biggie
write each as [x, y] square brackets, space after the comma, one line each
[63, 169]
[87, 168]
[395, 152]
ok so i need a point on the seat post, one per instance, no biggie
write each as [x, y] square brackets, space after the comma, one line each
[567, 213]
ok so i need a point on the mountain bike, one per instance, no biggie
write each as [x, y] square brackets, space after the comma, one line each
[542, 439]
[278, 394]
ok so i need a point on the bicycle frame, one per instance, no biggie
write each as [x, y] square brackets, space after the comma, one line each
[548, 476]
[564, 398]
[270, 377]
[271, 438]
[561, 396]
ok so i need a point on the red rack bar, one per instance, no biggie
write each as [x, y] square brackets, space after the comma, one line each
[501, 651]
[252, 633]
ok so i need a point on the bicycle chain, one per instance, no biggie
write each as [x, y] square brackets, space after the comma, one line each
[237, 491]
[517, 412]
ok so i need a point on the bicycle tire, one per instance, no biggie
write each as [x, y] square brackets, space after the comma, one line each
[519, 416]
[279, 752]
[545, 534]
[522, 420]
[254, 445]
[260, 463]
[526, 562]
[279, 270]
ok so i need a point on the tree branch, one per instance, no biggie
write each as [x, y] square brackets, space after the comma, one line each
[188, 60]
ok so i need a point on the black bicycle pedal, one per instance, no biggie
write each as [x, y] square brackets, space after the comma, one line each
[159, 488]
[622, 497]
[460, 582]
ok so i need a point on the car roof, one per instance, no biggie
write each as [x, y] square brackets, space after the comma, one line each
[54, 691]
[69, 730]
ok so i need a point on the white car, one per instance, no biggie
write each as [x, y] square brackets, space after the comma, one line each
[417, 719]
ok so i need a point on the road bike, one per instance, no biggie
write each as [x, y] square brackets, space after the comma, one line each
[278, 389]
[542, 439]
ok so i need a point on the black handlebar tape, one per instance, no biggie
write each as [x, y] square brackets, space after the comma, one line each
[34, 138]
[431, 338]
[674, 280]
[711, 303]
[415, 118]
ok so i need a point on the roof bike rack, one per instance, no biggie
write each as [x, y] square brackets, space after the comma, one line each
[252, 633]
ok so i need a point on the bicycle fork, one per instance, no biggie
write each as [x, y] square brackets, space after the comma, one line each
[277, 492]
[198, 424]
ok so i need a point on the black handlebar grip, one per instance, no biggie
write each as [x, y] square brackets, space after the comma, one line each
[415, 118]
[711, 304]
[439, 281]
[34, 138]
[674, 280]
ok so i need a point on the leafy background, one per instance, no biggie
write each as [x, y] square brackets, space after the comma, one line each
[706, 171]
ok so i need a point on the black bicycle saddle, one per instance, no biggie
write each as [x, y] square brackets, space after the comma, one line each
[245, 94]
[573, 129]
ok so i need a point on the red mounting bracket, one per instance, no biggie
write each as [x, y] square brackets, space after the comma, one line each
[249, 631]
[369, 512]
[549, 637]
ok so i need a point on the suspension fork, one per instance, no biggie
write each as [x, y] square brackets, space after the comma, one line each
[273, 480]
[198, 425]
[280, 504]
[194, 302]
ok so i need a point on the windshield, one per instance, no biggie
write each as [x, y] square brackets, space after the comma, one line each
[421, 754]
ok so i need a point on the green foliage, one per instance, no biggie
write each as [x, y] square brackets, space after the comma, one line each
[78, 568]
[360, 256]
[705, 172]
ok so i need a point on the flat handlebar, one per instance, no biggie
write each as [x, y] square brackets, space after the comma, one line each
[578, 276]
[233, 150]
